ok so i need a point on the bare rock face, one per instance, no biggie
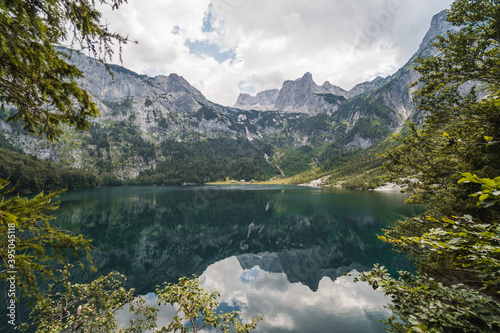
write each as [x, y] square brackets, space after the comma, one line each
[333, 89]
[439, 26]
[300, 96]
[304, 96]
[170, 92]
[366, 86]
[175, 93]
[388, 102]
[265, 100]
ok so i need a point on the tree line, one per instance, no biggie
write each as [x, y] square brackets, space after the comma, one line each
[27, 174]
[209, 160]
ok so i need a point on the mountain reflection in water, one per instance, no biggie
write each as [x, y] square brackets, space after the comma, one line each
[275, 250]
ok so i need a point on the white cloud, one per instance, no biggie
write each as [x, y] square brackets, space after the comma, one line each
[266, 42]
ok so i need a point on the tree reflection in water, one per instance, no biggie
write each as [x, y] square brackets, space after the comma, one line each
[279, 251]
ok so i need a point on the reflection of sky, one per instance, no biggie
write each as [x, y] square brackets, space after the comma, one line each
[249, 275]
[337, 306]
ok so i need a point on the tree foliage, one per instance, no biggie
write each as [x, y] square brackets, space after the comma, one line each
[198, 307]
[38, 84]
[35, 76]
[209, 160]
[38, 245]
[457, 287]
[27, 174]
[450, 164]
[93, 307]
[459, 91]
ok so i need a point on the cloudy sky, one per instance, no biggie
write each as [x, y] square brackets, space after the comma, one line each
[225, 47]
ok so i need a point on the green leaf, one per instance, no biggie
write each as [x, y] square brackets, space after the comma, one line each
[489, 183]
[486, 203]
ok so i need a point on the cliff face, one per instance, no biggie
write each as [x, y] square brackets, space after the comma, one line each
[301, 96]
[167, 92]
[265, 100]
[138, 112]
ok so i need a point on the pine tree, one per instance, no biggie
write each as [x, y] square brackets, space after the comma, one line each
[35, 77]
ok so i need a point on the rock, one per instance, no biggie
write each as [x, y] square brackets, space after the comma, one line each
[265, 100]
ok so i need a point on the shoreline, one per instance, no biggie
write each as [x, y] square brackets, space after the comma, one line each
[316, 183]
[388, 187]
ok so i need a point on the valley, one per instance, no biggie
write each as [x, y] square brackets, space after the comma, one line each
[163, 131]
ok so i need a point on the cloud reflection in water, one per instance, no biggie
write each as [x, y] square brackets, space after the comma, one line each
[337, 306]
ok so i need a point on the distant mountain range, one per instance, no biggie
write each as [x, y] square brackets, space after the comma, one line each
[140, 113]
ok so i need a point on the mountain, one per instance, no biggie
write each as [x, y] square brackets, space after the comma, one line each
[265, 100]
[165, 131]
[302, 96]
[370, 110]
[162, 130]
[366, 86]
[378, 108]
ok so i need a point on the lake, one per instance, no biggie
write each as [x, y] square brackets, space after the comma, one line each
[280, 251]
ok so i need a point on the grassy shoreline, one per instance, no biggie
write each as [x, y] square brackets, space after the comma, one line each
[284, 181]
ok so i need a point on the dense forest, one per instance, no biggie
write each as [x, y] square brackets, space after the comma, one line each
[173, 162]
[208, 161]
[27, 174]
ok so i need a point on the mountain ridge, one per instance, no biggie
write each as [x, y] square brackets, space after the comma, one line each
[139, 113]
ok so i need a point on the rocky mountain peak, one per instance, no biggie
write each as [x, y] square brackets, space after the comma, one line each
[305, 82]
[439, 26]
[302, 95]
[174, 83]
[366, 86]
[305, 96]
[336, 90]
[175, 79]
[171, 81]
[307, 77]
[265, 100]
